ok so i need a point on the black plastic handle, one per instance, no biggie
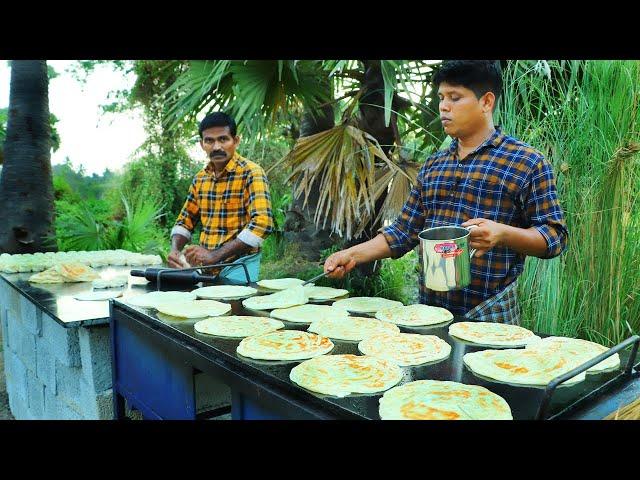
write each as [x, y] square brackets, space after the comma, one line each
[553, 384]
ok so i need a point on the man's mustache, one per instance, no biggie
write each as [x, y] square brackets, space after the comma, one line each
[218, 153]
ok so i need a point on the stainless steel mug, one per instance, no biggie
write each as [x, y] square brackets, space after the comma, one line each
[446, 257]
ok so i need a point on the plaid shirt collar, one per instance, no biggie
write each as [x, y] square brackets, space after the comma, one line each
[231, 165]
[494, 140]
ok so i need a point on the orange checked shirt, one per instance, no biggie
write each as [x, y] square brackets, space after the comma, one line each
[236, 204]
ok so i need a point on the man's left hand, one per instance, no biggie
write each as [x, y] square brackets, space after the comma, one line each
[487, 235]
[197, 255]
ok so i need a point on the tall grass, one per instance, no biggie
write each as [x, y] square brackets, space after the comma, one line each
[584, 116]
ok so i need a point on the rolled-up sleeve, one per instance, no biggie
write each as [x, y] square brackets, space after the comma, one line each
[402, 234]
[259, 204]
[189, 215]
[544, 211]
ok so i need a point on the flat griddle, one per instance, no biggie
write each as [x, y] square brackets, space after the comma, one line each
[525, 401]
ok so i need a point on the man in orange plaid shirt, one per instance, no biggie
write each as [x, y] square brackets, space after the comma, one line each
[230, 197]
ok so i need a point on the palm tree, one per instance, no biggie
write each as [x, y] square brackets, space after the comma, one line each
[347, 176]
[26, 186]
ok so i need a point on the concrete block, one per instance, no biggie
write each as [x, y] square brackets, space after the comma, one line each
[23, 342]
[20, 408]
[63, 341]
[45, 364]
[4, 328]
[68, 411]
[210, 393]
[12, 330]
[35, 395]
[95, 356]
[96, 406]
[51, 404]
[30, 316]
[68, 383]
[15, 376]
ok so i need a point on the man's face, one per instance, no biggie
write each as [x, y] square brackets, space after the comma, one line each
[461, 112]
[219, 144]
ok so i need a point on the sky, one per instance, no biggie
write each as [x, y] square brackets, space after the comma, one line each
[96, 141]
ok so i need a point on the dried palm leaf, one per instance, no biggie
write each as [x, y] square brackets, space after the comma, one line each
[397, 181]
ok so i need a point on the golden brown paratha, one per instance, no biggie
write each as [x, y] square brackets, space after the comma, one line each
[492, 334]
[584, 350]
[415, 315]
[284, 345]
[351, 328]
[405, 349]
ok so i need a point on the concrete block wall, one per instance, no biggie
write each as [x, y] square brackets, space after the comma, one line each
[59, 373]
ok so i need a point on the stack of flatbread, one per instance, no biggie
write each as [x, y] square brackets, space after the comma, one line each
[405, 349]
[493, 334]
[154, 299]
[365, 304]
[282, 299]
[415, 315]
[65, 272]
[439, 400]
[351, 328]
[308, 313]
[226, 292]
[523, 366]
[583, 350]
[341, 375]
[237, 326]
[280, 283]
[284, 345]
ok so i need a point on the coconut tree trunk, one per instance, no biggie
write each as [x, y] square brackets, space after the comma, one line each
[26, 185]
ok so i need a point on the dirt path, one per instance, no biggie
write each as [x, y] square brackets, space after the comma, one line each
[5, 413]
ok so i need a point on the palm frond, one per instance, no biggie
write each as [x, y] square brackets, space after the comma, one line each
[397, 181]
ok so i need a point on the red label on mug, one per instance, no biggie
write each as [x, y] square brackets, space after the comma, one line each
[447, 249]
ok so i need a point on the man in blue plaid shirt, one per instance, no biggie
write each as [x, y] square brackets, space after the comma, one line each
[485, 178]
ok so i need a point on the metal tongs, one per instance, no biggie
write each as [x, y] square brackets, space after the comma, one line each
[316, 278]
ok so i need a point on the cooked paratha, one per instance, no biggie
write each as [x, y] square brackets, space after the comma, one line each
[237, 326]
[280, 283]
[415, 315]
[308, 313]
[440, 400]
[365, 304]
[493, 334]
[282, 299]
[405, 349]
[153, 299]
[324, 293]
[342, 375]
[351, 328]
[584, 350]
[194, 308]
[225, 292]
[523, 366]
[50, 275]
[284, 345]
[76, 272]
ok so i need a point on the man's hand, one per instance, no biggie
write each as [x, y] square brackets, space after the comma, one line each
[173, 260]
[487, 235]
[197, 255]
[339, 264]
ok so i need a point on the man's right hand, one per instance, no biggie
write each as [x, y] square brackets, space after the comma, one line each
[173, 260]
[339, 264]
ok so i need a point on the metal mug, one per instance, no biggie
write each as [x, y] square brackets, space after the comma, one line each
[446, 259]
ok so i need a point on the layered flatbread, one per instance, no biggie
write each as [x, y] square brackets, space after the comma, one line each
[237, 326]
[439, 400]
[405, 349]
[324, 293]
[308, 313]
[153, 299]
[493, 334]
[584, 351]
[365, 304]
[342, 375]
[194, 308]
[415, 315]
[218, 292]
[351, 328]
[522, 366]
[50, 275]
[282, 299]
[284, 345]
[76, 272]
[280, 283]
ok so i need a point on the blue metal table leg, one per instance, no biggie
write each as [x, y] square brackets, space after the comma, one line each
[243, 408]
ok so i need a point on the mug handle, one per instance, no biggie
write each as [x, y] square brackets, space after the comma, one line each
[473, 250]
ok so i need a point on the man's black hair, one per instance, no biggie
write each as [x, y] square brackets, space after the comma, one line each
[217, 119]
[480, 76]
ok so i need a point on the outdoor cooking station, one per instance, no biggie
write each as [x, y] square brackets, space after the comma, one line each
[155, 357]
